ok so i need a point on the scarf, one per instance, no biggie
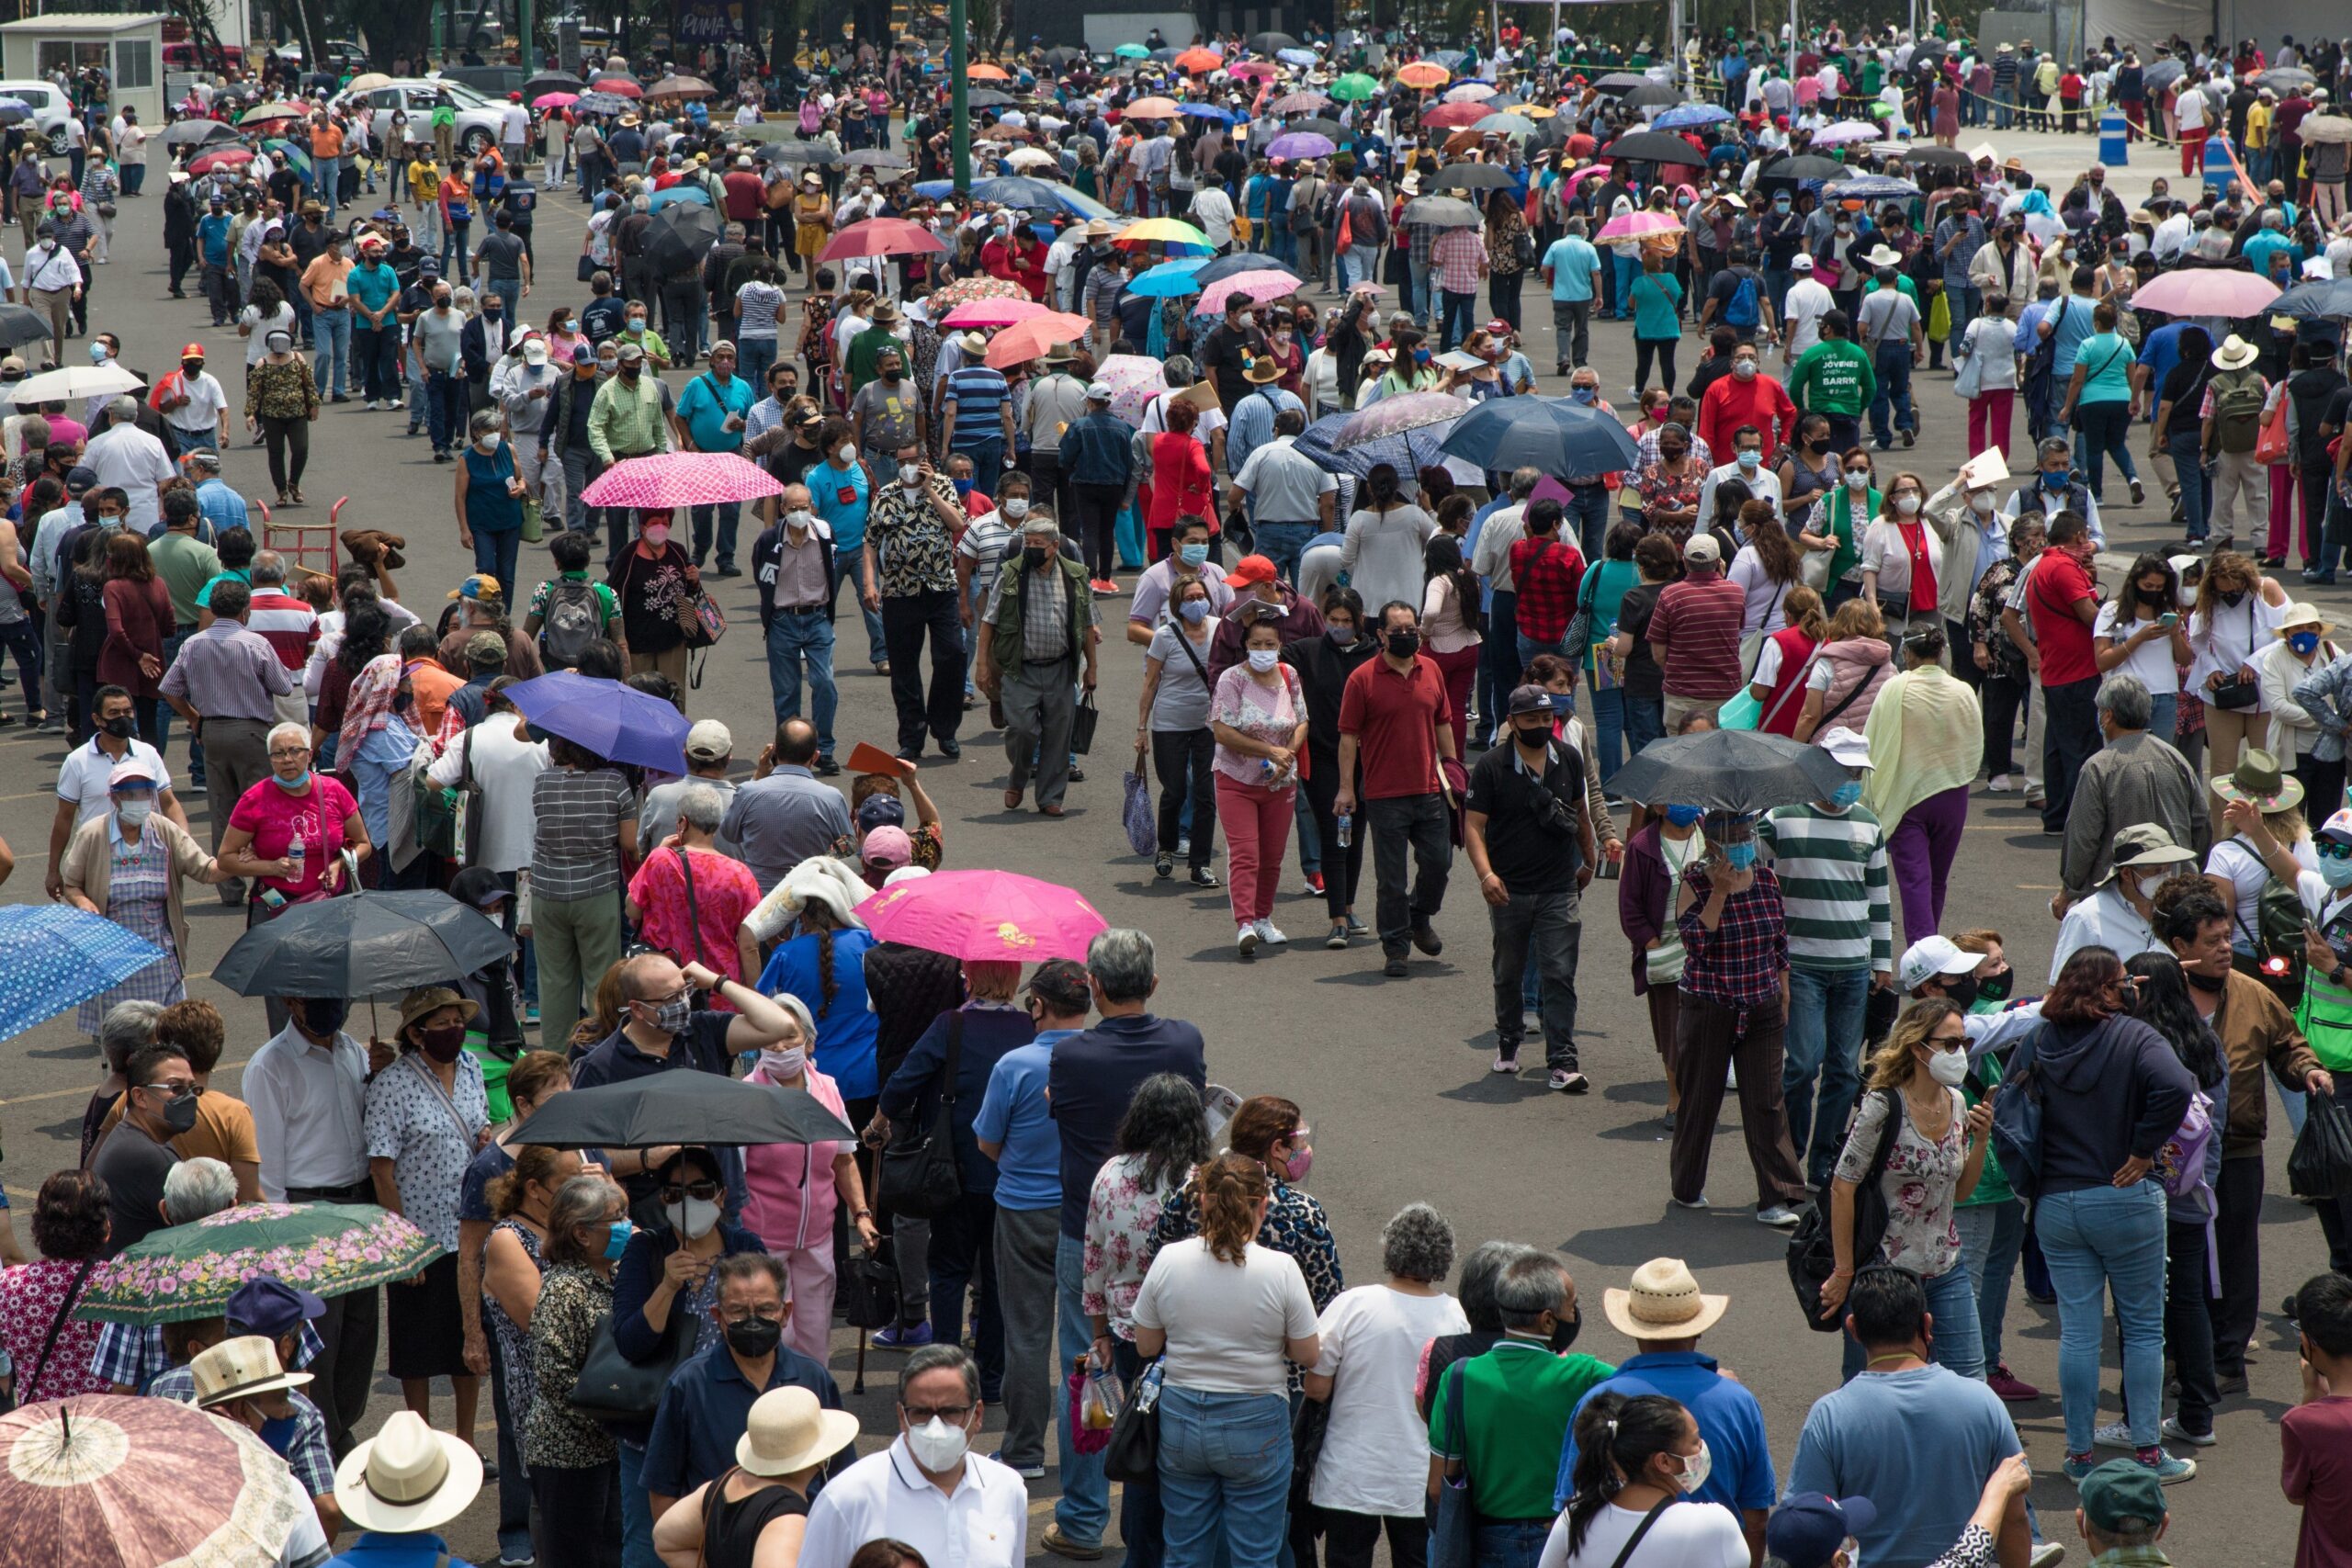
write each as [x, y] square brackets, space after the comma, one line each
[369, 707]
[1926, 734]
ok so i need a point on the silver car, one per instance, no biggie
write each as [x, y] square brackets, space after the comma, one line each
[478, 119]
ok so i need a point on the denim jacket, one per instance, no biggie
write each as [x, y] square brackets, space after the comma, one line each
[2326, 694]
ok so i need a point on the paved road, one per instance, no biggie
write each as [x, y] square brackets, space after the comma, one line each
[1393, 1075]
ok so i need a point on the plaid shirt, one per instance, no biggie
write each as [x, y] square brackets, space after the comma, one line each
[1739, 963]
[129, 1353]
[1548, 572]
[1456, 257]
[307, 1455]
[576, 851]
[1418, 239]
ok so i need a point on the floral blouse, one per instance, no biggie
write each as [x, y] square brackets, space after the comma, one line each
[1502, 244]
[30, 1296]
[1269, 716]
[1662, 492]
[282, 391]
[1294, 1224]
[1921, 1234]
[1120, 1216]
[1985, 619]
[571, 1298]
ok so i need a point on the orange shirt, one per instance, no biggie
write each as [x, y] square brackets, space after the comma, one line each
[326, 140]
[430, 685]
[322, 281]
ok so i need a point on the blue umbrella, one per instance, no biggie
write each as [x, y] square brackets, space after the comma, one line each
[1871, 187]
[1169, 278]
[1689, 114]
[1296, 56]
[1407, 453]
[53, 956]
[616, 722]
[1208, 111]
[1223, 268]
[15, 111]
[671, 195]
[1555, 435]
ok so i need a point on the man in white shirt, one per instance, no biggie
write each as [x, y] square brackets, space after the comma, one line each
[1809, 300]
[1763, 483]
[130, 459]
[2116, 915]
[927, 1489]
[2172, 235]
[1213, 210]
[307, 1087]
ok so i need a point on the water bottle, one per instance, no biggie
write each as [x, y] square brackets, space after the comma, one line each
[1347, 828]
[1267, 772]
[294, 852]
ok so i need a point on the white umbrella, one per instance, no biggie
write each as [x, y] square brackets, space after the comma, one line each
[73, 382]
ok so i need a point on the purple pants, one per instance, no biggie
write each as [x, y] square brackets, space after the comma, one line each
[1920, 855]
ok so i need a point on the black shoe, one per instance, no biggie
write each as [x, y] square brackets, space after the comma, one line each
[730, 569]
[1394, 968]
[1202, 876]
[1425, 937]
[950, 749]
[911, 753]
[824, 767]
[1077, 774]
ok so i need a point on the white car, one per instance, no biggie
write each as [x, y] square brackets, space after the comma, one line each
[478, 117]
[50, 107]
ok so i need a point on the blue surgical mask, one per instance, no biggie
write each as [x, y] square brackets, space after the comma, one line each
[1845, 793]
[1192, 555]
[279, 1432]
[2336, 873]
[1682, 815]
[294, 785]
[2054, 482]
[1194, 610]
[1741, 855]
[2304, 642]
[617, 1239]
[1587, 396]
[1748, 461]
[963, 486]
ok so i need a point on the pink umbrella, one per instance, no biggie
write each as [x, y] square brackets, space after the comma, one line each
[883, 237]
[1133, 381]
[1251, 69]
[554, 100]
[992, 314]
[670, 479]
[984, 916]
[1847, 131]
[2206, 293]
[1259, 286]
[1636, 225]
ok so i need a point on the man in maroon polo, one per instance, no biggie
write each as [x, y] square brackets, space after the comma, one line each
[1392, 718]
[1694, 633]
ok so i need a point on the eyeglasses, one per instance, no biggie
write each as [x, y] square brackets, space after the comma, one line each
[917, 1414]
[1948, 1039]
[2331, 850]
[289, 751]
[707, 1191]
[762, 1313]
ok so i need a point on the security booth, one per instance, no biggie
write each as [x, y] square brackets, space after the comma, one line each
[127, 47]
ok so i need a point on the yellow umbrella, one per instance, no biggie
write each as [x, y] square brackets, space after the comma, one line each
[368, 81]
[1161, 231]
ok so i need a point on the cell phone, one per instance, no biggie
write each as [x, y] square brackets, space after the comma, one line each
[2168, 620]
[272, 899]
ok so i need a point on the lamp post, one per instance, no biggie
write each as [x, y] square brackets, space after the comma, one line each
[959, 111]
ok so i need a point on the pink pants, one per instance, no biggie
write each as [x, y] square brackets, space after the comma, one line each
[2283, 512]
[1988, 419]
[1257, 827]
[1460, 669]
[810, 1269]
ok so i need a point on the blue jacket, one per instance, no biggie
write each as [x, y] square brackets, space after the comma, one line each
[634, 1279]
[914, 1090]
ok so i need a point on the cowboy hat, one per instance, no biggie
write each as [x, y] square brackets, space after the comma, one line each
[2300, 614]
[238, 1369]
[789, 1432]
[2235, 352]
[1265, 368]
[2258, 778]
[1059, 353]
[427, 999]
[1664, 1303]
[408, 1478]
[1885, 255]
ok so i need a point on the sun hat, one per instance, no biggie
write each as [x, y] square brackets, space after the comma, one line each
[236, 1368]
[2235, 352]
[2303, 614]
[1663, 1301]
[2146, 843]
[2259, 778]
[788, 1431]
[408, 1478]
[427, 999]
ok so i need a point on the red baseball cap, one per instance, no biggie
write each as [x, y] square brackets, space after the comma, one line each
[193, 351]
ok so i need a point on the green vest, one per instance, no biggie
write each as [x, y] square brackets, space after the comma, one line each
[1005, 644]
[2325, 1013]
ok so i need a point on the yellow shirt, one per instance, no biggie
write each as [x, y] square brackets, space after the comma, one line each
[2257, 124]
[424, 182]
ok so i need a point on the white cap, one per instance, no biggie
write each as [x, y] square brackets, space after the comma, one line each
[1098, 391]
[709, 741]
[534, 351]
[1931, 956]
[1849, 748]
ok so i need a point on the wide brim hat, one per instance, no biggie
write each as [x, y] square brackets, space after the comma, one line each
[1664, 1303]
[2258, 778]
[408, 1478]
[2235, 354]
[428, 999]
[787, 1432]
[2300, 614]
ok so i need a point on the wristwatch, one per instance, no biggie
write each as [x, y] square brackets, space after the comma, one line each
[861, 1213]
[2335, 975]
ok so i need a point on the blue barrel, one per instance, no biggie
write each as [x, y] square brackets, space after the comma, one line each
[2114, 138]
[2218, 172]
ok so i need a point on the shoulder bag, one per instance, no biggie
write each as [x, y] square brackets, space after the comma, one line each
[1132, 1453]
[1453, 1523]
[614, 1390]
[1812, 1256]
[1578, 638]
[920, 1163]
[870, 1290]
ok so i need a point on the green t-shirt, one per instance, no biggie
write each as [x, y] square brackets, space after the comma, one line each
[1992, 1184]
[1515, 1407]
[1657, 299]
[1833, 376]
[608, 607]
[187, 566]
[203, 594]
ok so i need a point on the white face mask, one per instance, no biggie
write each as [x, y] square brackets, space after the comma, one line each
[1014, 507]
[134, 812]
[692, 1218]
[789, 1064]
[936, 1445]
[1264, 659]
[490, 440]
[1696, 1468]
[1858, 480]
[801, 519]
[910, 479]
[2187, 595]
[1982, 504]
[1907, 506]
[847, 453]
[1949, 1067]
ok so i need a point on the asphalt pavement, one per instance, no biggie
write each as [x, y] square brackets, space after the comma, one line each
[1391, 1074]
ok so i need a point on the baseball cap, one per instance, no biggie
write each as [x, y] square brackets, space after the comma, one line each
[2119, 1490]
[1807, 1531]
[268, 1305]
[1931, 956]
[888, 846]
[880, 811]
[429, 267]
[2338, 827]
[481, 585]
[709, 741]
[193, 351]
[534, 351]
[1846, 748]
[1702, 550]
[486, 648]
[1250, 569]
[1530, 698]
[2144, 843]
[79, 477]
[1098, 391]
[584, 352]
[1800, 263]
[632, 353]
[132, 774]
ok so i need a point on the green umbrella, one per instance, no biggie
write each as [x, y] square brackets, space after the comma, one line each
[299, 158]
[189, 1271]
[1132, 51]
[1354, 84]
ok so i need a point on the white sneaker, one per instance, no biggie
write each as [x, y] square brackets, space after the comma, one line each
[1270, 934]
[2002, 785]
[2048, 1552]
[1731, 1080]
[2173, 1428]
[2115, 1435]
[1698, 1202]
[1780, 1216]
[1184, 846]
[1245, 942]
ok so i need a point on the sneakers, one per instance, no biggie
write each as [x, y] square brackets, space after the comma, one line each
[2077, 1466]
[1698, 1202]
[2048, 1552]
[2173, 1428]
[1060, 1545]
[2171, 1469]
[2011, 1388]
[1246, 941]
[900, 1336]
[1505, 1065]
[2139, 493]
[1203, 877]
[2001, 784]
[1336, 939]
[1566, 1080]
[1027, 1471]
[1270, 934]
[1780, 1216]
[1314, 883]
[2115, 1435]
[1163, 864]
[1184, 845]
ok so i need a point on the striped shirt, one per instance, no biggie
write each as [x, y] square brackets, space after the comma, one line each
[1699, 619]
[1833, 886]
[289, 624]
[576, 852]
[979, 394]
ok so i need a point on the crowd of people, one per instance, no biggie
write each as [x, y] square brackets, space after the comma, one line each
[1339, 628]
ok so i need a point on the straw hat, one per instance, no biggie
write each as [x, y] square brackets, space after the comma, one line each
[789, 1432]
[2235, 354]
[1664, 1303]
[408, 1478]
[2259, 778]
[428, 999]
[238, 1369]
[2300, 614]
[1264, 369]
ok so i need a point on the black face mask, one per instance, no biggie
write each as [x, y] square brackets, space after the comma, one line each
[179, 1113]
[324, 1015]
[1565, 1332]
[1996, 987]
[1404, 643]
[754, 1336]
[1532, 737]
[1033, 557]
[2211, 985]
[1960, 990]
[120, 729]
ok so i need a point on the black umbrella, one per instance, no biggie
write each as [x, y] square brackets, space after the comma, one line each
[552, 82]
[364, 944]
[1652, 147]
[1653, 93]
[196, 133]
[1728, 770]
[1472, 176]
[1621, 82]
[679, 236]
[1266, 43]
[683, 1105]
[1938, 158]
[21, 324]
[1224, 268]
[1061, 54]
[1804, 166]
[2320, 297]
[1320, 125]
[806, 152]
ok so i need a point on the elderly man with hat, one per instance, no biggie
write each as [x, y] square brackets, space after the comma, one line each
[1036, 633]
[1056, 402]
[234, 1369]
[2117, 914]
[486, 611]
[1663, 1310]
[975, 414]
[2232, 414]
[193, 404]
[2136, 776]
[402, 1485]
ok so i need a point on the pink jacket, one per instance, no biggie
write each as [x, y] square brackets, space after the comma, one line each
[791, 1198]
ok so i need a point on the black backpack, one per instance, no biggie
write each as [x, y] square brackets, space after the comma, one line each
[573, 620]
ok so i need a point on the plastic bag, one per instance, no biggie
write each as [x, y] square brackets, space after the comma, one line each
[1095, 1400]
[2321, 1163]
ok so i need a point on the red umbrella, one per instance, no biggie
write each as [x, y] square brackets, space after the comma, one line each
[883, 237]
[1454, 116]
[626, 86]
[1199, 59]
[225, 158]
[670, 479]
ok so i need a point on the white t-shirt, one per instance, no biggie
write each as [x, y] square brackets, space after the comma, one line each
[1227, 1322]
[2151, 661]
[2244, 870]
[82, 778]
[1765, 599]
[1376, 1454]
[1687, 1535]
[257, 343]
[506, 766]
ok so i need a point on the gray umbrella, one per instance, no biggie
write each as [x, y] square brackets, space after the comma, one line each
[1726, 770]
[807, 153]
[196, 133]
[1441, 212]
[364, 944]
[686, 1107]
[679, 236]
[2284, 78]
[1472, 176]
[874, 158]
[1650, 93]
[2160, 72]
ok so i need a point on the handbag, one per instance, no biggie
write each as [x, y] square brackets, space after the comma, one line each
[1578, 636]
[2320, 1165]
[1454, 1524]
[1135, 813]
[1082, 726]
[1812, 1256]
[449, 818]
[869, 1291]
[920, 1164]
[587, 269]
[2271, 445]
[1132, 1453]
[1970, 381]
[1740, 711]
[611, 1388]
[2233, 693]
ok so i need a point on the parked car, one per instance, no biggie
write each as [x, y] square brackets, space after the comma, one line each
[491, 81]
[478, 117]
[183, 55]
[50, 108]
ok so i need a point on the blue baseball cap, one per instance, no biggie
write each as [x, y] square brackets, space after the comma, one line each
[1806, 1531]
[268, 1305]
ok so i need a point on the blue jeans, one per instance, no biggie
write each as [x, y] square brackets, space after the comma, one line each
[445, 409]
[1951, 1304]
[1511, 1543]
[454, 247]
[731, 513]
[1644, 722]
[1991, 1236]
[2186, 450]
[2164, 713]
[1825, 1039]
[331, 331]
[637, 1511]
[1422, 297]
[1355, 264]
[514, 1482]
[1893, 361]
[494, 552]
[1283, 544]
[1225, 1463]
[803, 637]
[1588, 511]
[1609, 730]
[2094, 1238]
[1530, 649]
[753, 357]
[849, 568]
[988, 461]
[1084, 1508]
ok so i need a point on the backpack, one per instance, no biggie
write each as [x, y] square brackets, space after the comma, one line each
[2016, 1121]
[1741, 311]
[2276, 937]
[572, 622]
[2238, 396]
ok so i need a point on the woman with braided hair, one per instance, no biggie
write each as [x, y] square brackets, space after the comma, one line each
[1635, 1457]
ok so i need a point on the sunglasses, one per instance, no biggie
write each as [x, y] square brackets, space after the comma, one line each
[2329, 849]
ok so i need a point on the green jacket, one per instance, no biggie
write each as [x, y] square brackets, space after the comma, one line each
[1013, 582]
[1833, 376]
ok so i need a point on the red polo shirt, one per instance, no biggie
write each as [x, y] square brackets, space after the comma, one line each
[1393, 718]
